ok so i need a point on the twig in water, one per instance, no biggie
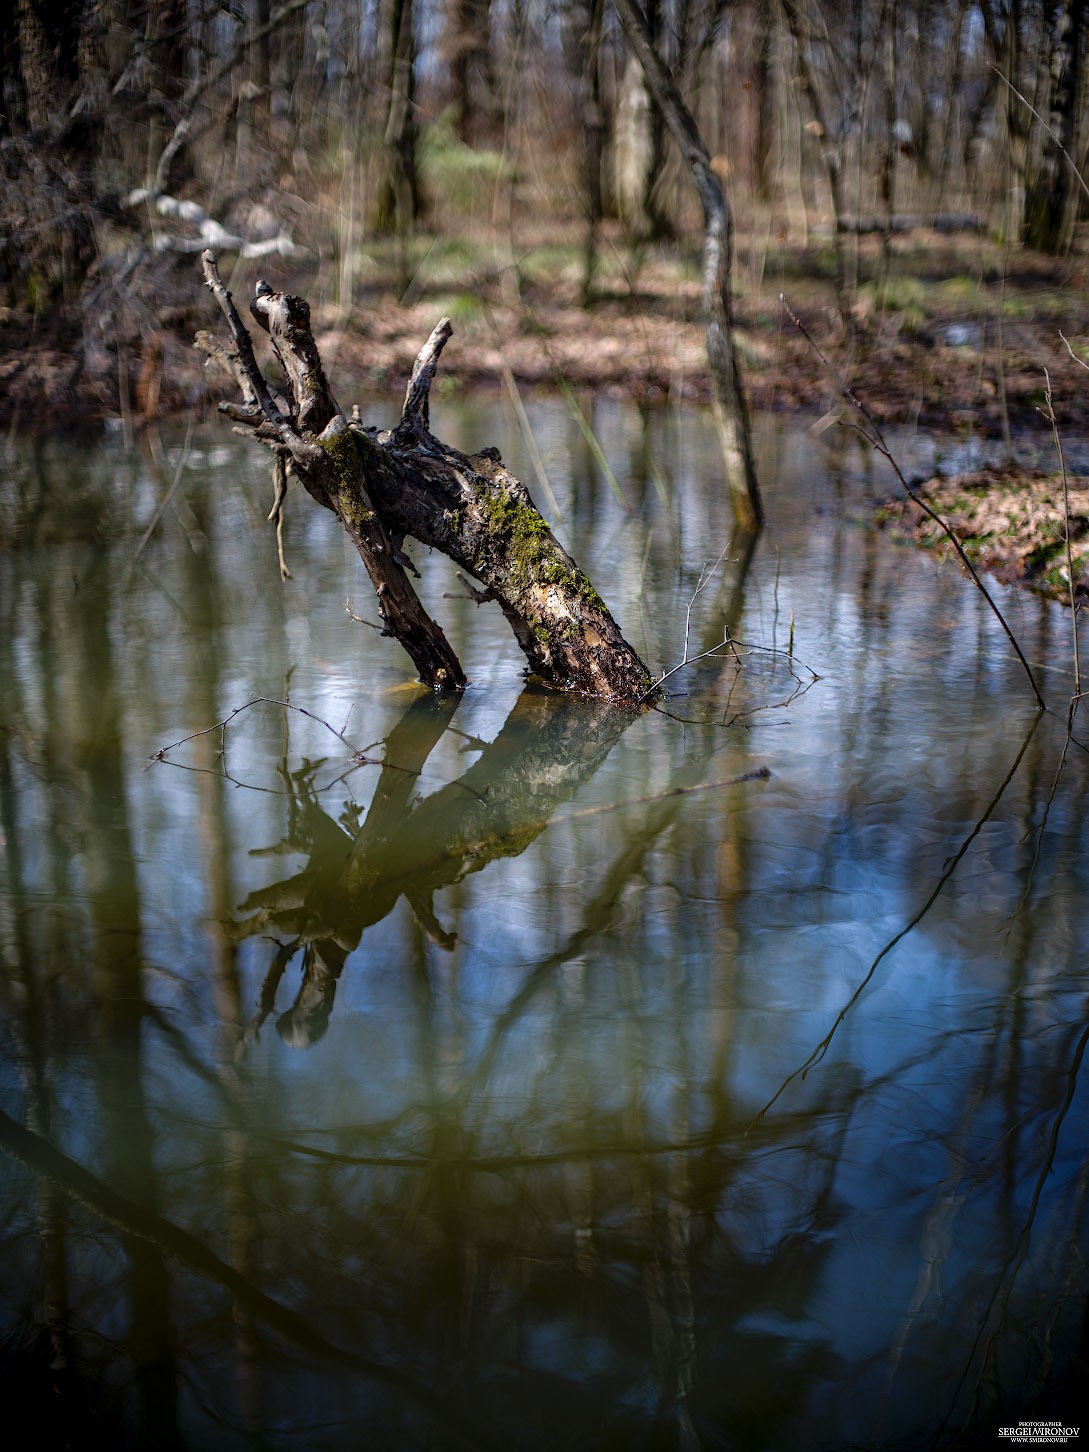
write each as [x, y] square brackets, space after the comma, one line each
[704, 581]
[876, 439]
[160, 755]
[358, 758]
[759, 773]
[358, 618]
[947, 872]
[164, 502]
[587, 431]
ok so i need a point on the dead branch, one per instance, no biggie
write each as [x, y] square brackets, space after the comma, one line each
[316, 435]
[404, 483]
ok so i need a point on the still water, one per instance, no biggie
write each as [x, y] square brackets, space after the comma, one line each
[390, 1073]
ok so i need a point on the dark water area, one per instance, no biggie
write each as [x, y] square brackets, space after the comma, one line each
[393, 1073]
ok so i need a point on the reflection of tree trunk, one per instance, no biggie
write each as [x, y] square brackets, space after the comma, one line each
[164, 1238]
[241, 1219]
[31, 1035]
[115, 913]
[545, 751]
[731, 604]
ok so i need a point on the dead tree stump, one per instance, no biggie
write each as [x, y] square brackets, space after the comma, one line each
[387, 486]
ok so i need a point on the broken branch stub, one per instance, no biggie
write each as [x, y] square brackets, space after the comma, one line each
[315, 435]
[402, 483]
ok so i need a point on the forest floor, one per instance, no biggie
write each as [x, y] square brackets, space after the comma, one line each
[954, 334]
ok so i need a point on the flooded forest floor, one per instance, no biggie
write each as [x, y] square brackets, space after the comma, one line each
[956, 334]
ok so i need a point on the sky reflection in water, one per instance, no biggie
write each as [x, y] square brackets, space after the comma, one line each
[546, 1114]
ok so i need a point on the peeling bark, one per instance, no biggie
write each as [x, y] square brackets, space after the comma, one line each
[386, 486]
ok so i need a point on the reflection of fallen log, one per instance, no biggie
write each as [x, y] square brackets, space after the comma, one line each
[914, 222]
[386, 486]
[546, 750]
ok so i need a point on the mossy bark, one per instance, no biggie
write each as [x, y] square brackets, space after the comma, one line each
[474, 510]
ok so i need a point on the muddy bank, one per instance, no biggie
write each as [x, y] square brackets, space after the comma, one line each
[951, 343]
[1010, 522]
[953, 339]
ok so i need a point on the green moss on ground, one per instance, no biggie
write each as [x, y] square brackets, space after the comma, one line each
[1010, 523]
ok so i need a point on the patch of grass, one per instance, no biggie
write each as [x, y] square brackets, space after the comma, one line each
[898, 294]
[458, 177]
[462, 308]
[1033, 306]
[952, 292]
[550, 261]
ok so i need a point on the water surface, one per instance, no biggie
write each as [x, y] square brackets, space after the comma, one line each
[416, 1074]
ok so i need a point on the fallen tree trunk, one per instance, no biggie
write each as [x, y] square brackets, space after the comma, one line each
[386, 486]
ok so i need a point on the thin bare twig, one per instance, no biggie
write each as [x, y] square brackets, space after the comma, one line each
[876, 439]
[704, 580]
[1069, 159]
[165, 501]
[736, 648]
[1048, 411]
[947, 872]
[359, 618]
[160, 755]
[759, 773]
[1079, 361]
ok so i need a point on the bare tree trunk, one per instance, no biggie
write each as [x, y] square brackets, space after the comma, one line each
[888, 80]
[397, 203]
[37, 54]
[468, 47]
[640, 145]
[1049, 217]
[582, 37]
[1017, 123]
[831, 157]
[731, 404]
[755, 32]
[384, 487]
[954, 110]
